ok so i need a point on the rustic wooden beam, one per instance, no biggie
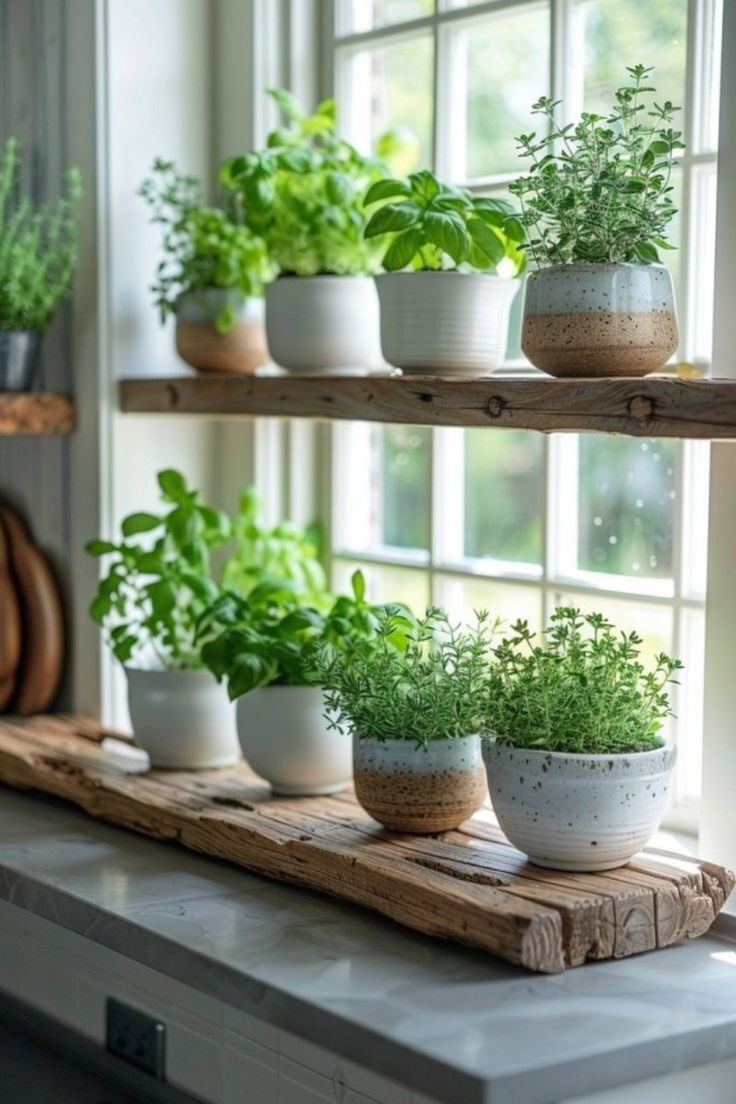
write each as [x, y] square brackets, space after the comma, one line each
[35, 413]
[652, 407]
[470, 886]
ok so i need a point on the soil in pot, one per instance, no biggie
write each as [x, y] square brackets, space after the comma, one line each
[419, 790]
[588, 320]
[578, 812]
[240, 350]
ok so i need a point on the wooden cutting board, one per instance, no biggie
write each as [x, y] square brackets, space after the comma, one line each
[10, 626]
[470, 886]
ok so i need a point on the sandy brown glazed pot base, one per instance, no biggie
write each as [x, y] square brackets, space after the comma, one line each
[240, 351]
[410, 789]
[599, 343]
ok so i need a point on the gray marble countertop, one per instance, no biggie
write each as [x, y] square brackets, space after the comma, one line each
[454, 1024]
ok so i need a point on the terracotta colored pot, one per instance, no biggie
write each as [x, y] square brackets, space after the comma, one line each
[198, 341]
[589, 320]
[419, 790]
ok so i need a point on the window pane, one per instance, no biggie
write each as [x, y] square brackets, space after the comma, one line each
[618, 33]
[499, 67]
[702, 283]
[362, 15]
[689, 706]
[461, 597]
[504, 495]
[626, 493]
[385, 584]
[385, 87]
[406, 486]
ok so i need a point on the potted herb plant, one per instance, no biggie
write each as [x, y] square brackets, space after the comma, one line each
[448, 286]
[410, 697]
[38, 259]
[577, 769]
[157, 584]
[304, 196]
[211, 276]
[267, 651]
[596, 204]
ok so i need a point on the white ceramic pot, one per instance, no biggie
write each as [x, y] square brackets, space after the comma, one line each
[578, 812]
[592, 320]
[323, 324]
[285, 739]
[183, 719]
[419, 789]
[241, 350]
[449, 323]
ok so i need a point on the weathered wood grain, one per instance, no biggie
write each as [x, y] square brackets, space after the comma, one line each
[470, 885]
[651, 407]
[39, 413]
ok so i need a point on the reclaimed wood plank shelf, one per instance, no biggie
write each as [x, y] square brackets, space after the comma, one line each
[469, 886]
[35, 412]
[657, 406]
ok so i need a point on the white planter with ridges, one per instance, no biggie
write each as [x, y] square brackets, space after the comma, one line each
[578, 812]
[285, 739]
[449, 323]
[183, 719]
[323, 324]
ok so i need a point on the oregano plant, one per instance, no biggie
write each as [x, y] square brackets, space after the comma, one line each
[581, 688]
[600, 190]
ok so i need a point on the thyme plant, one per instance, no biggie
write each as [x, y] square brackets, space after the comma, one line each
[600, 190]
[38, 248]
[581, 689]
[417, 681]
[203, 247]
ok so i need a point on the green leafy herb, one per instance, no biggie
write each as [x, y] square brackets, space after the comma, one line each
[285, 551]
[582, 689]
[434, 226]
[412, 680]
[203, 247]
[271, 637]
[159, 579]
[304, 194]
[600, 191]
[38, 248]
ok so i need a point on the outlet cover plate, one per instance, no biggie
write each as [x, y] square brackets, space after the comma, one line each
[136, 1038]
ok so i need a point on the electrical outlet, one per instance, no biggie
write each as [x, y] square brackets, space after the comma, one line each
[136, 1038]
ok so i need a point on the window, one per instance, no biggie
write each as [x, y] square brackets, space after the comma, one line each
[508, 520]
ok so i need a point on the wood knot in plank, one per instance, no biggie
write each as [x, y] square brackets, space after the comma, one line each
[641, 409]
[495, 407]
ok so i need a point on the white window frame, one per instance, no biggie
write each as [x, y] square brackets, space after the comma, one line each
[558, 574]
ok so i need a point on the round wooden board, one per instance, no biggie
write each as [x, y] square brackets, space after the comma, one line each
[42, 652]
[10, 626]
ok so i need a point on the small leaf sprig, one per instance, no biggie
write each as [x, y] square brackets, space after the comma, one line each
[159, 579]
[415, 680]
[581, 689]
[434, 226]
[600, 191]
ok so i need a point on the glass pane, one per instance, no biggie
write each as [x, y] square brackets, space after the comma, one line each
[388, 87]
[704, 259]
[406, 486]
[626, 498]
[363, 15]
[689, 706]
[504, 495]
[461, 597]
[385, 584]
[503, 63]
[618, 33]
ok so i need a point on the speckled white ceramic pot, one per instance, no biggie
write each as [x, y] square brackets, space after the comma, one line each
[419, 789]
[578, 812]
[323, 324]
[285, 739]
[592, 320]
[183, 719]
[240, 350]
[453, 323]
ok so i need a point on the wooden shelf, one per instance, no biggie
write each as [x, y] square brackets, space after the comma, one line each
[35, 413]
[652, 407]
